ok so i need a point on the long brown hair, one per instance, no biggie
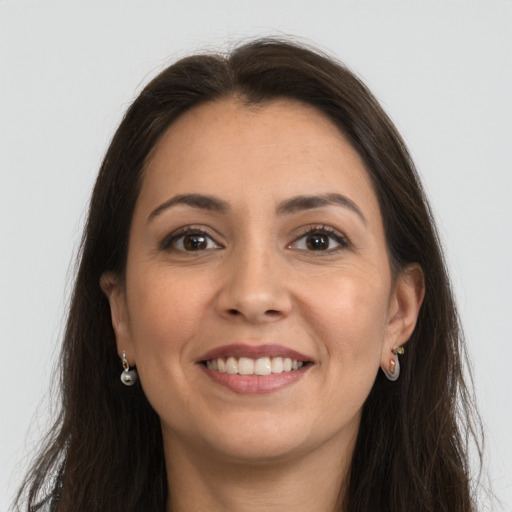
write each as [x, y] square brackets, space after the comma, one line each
[105, 451]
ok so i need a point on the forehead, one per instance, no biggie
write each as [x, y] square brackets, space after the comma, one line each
[276, 150]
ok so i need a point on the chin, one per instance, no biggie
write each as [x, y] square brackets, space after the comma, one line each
[264, 440]
[259, 450]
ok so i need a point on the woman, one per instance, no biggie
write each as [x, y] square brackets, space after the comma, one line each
[258, 248]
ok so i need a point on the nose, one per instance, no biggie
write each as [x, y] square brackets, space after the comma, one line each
[255, 288]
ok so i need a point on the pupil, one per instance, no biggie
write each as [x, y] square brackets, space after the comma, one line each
[317, 242]
[194, 242]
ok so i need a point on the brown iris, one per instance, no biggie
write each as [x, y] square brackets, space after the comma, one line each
[317, 242]
[195, 242]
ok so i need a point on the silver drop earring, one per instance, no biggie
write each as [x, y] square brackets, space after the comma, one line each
[393, 370]
[128, 377]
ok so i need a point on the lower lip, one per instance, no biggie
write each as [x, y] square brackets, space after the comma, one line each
[256, 384]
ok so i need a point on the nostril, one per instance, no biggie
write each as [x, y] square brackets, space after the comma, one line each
[272, 312]
[233, 312]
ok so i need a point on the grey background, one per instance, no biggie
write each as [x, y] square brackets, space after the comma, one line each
[69, 69]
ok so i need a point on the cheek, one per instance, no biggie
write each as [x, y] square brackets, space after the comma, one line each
[166, 312]
[349, 314]
[167, 304]
[166, 315]
[346, 314]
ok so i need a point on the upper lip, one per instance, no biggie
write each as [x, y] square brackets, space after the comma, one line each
[253, 352]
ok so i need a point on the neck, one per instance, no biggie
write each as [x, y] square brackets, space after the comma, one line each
[312, 482]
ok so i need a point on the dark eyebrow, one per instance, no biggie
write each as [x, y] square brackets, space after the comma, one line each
[195, 201]
[299, 203]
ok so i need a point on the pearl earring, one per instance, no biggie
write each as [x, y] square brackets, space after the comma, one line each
[128, 377]
[393, 370]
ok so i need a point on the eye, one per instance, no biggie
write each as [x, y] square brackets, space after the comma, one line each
[321, 240]
[190, 240]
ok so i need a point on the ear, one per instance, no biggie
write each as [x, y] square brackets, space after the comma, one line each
[113, 288]
[404, 307]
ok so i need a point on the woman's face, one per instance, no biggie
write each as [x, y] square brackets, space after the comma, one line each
[257, 243]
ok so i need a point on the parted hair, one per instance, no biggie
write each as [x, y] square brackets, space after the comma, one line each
[104, 452]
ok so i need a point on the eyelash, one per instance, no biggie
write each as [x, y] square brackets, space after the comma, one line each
[181, 233]
[171, 239]
[331, 233]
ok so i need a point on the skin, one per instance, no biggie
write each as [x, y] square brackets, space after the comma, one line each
[257, 281]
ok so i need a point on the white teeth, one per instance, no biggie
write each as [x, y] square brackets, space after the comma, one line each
[277, 365]
[231, 365]
[248, 366]
[245, 366]
[262, 366]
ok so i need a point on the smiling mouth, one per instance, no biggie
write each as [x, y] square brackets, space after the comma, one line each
[258, 367]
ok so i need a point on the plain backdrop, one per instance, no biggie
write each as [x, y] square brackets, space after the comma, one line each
[69, 69]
